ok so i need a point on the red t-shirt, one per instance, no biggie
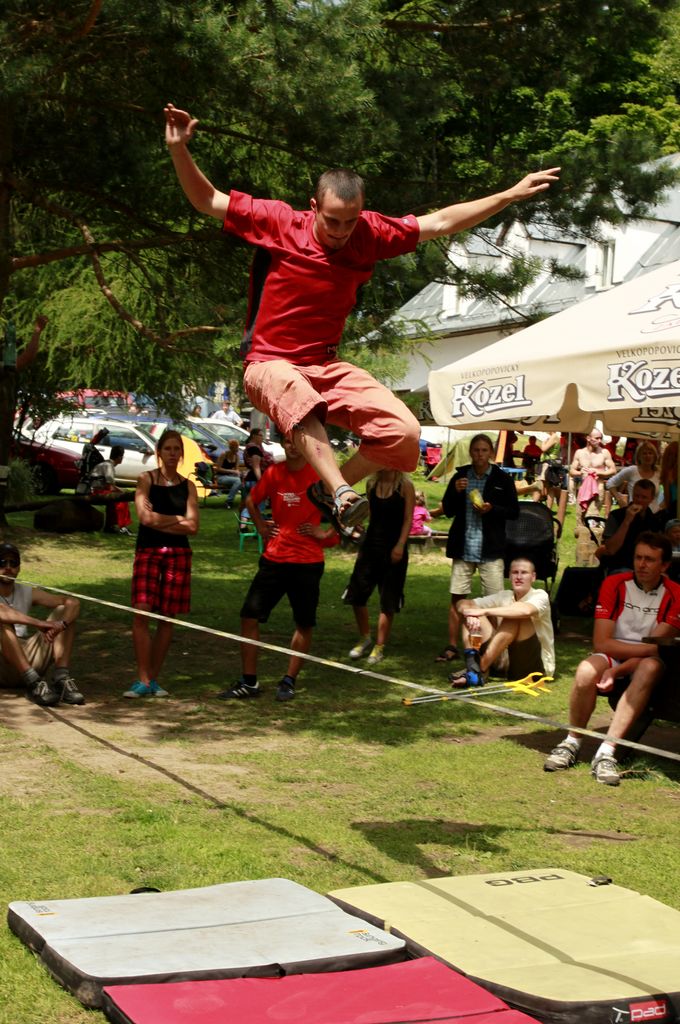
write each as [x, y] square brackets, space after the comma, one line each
[287, 493]
[301, 297]
[636, 611]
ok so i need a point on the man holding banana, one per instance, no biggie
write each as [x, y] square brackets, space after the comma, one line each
[479, 498]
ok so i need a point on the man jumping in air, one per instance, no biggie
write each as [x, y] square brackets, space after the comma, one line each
[304, 284]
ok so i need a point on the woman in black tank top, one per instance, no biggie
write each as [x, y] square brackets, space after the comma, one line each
[382, 560]
[167, 508]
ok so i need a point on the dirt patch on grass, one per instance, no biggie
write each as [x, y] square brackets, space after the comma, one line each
[109, 740]
[581, 838]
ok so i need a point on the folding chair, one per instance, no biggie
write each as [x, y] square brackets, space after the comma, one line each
[247, 530]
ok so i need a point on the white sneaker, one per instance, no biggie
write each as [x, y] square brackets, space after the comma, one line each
[363, 647]
[376, 655]
[605, 769]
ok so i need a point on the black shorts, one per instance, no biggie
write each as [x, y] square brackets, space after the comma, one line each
[376, 569]
[298, 581]
[525, 656]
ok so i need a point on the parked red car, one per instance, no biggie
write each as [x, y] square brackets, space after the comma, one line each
[53, 467]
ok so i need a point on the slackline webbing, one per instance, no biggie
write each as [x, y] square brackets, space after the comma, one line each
[355, 670]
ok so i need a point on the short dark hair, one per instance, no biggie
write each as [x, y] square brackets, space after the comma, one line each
[345, 184]
[656, 540]
[481, 437]
[117, 451]
[645, 485]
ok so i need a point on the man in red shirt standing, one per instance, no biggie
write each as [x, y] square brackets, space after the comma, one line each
[292, 565]
[304, 284]
[630, 606]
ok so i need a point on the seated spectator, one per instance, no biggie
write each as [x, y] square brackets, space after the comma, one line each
[669, 478]
[24, 659]
[479, 498]
[517, 621]
[228, 472]
[102, 482]
[254, 458]
[672, 531]
[421, 517]
[624, 526]
[531, 456]
[646, 468]
[630, 606]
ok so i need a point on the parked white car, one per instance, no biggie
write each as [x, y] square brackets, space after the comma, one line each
[72, 432]
[229, 431]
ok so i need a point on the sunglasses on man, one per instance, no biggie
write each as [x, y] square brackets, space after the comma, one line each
[9, 563]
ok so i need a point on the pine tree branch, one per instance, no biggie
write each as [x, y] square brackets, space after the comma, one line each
[88, 24]
[119, 245]
[93, 249]
[396, 24]
[165, 341]
[162, 240]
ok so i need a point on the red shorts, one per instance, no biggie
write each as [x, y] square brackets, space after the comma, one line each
[161, 580]
[343, 395]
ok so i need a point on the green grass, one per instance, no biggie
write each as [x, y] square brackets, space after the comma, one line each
[342, 786]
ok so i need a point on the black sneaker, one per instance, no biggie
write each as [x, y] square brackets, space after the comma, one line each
[70, 694]
[285, 690]
[240, 691]
[42, 693]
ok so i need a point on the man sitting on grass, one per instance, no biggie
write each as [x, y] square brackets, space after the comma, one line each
[517, 621]
[24, 659]
[631, 605]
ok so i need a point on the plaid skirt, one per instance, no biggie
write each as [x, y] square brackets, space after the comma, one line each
[161, 580]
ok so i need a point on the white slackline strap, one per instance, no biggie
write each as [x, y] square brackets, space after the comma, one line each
[355, 670]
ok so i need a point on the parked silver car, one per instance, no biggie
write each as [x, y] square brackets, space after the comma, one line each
[71, 432]
[229, 431]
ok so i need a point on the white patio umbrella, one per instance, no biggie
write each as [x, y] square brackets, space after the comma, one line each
[614, 357]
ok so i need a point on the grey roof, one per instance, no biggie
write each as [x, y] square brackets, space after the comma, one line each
[666, 249]
[551, 295]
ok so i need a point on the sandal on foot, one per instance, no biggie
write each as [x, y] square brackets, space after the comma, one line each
[450, 653]
[344, 516]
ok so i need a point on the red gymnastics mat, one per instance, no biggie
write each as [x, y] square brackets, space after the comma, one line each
[421, 991]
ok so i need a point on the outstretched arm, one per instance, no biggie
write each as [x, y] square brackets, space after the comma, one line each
[179, 130]
[462, 216]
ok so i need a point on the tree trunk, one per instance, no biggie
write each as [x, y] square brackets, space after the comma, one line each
[7, 377]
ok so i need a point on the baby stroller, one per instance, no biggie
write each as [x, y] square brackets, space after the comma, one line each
[91, 457]
[534, 535]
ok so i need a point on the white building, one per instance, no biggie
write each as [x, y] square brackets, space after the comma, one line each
[458, 325]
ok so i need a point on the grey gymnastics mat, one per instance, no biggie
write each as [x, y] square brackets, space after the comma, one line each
[553, 943]
[271, 927]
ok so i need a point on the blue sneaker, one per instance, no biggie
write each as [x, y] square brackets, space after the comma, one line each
[139, 689]
[469, 678]
[156, 690]
[285, 690]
